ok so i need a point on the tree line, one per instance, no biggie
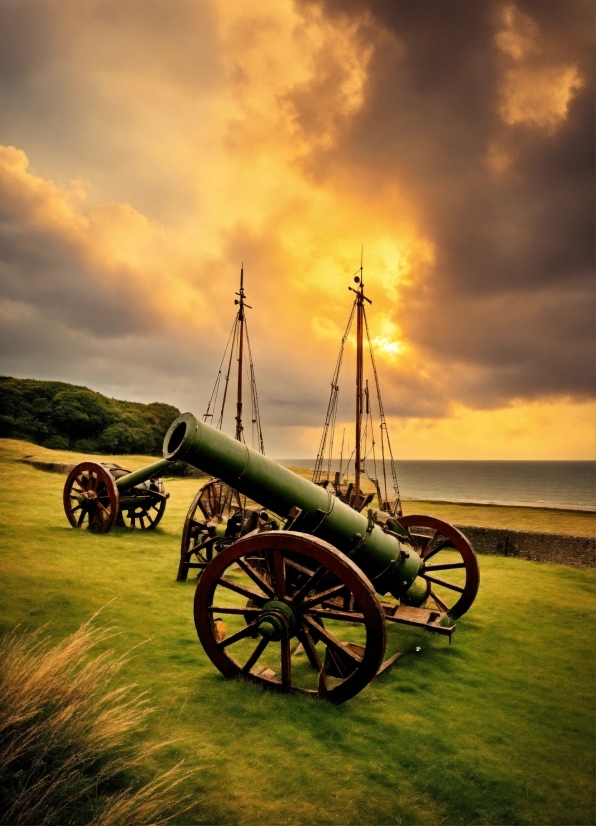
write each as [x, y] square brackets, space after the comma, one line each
[66, 416]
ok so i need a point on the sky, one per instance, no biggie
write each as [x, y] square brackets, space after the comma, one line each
[148, 148]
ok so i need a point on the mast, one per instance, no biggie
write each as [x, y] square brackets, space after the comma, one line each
[240, 302]
[360, 299]
[238, 347]
[352, 494]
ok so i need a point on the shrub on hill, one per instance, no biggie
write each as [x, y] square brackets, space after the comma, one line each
[62, 416]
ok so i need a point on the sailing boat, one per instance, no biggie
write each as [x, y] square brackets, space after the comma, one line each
[219, 514]
[370, 459]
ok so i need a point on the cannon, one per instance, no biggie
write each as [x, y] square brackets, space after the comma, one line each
[96, 496]
[309, 608]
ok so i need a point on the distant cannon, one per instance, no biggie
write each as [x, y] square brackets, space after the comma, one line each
[96, 496]
[306, 608]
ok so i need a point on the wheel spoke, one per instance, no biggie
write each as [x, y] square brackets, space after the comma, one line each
[443, 544]
[323, 595]
[231, 609]
[286, 662]
[447, 566]
[310, 584]
[247, 631]
[423, 541]
[81, 519]
[252, 660]
[243, 590]
[256, 577]
[309, 647]
[332, 641]
[443, 583]
[342, 616]
[439, 601]
[279, 573]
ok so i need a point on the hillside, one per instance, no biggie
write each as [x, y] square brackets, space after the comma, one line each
[69, 417]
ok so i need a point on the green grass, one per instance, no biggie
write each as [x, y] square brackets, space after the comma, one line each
[496, 729]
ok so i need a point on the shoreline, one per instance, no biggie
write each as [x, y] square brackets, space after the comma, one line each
[466, 503]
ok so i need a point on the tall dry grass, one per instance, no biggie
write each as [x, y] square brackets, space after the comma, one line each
[65, 753]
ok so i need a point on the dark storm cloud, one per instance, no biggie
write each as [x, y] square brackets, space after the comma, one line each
[510, 298]
[40, 270]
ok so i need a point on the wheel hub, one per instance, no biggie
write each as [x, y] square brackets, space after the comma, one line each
[87, 498]
[277, 621]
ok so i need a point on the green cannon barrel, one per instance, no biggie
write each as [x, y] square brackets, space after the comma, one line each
[391, 564]
[137, 477]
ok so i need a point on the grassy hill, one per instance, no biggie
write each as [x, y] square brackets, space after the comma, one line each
[66, 416]
[497, 728]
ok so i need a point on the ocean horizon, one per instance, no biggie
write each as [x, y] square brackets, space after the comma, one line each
[562, 484]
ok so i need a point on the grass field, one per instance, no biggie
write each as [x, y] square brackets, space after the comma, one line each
[496, 729]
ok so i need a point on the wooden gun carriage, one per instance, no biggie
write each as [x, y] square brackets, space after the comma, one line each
[97, 496]
[307, 608]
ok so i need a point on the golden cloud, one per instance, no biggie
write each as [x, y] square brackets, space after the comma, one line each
[535, 91]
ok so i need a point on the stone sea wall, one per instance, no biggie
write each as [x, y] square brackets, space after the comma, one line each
[577, 551]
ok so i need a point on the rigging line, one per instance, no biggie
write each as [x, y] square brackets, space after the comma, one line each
[332, 401]
[380, 403]
[246, 367]
[374, 454]
[330, 417]
[217, 380]
[246, 374]
[332, 433]
[345, 476]
[253, 385]
[341, 455]
[227, 379]
[253, 417]
[397, 508]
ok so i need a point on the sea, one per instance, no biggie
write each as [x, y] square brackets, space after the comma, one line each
[567, 485]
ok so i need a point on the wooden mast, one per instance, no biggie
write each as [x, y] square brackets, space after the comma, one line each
[360, 299]
[240, 302]
[359, 373]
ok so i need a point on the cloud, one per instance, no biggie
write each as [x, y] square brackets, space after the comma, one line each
[482, 114]
[150, 147]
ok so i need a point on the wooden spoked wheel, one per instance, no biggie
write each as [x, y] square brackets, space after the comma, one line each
[214, 503]
[91, 497]
[150, 505]
[217, 501]
[449, 564]
[290, 612]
